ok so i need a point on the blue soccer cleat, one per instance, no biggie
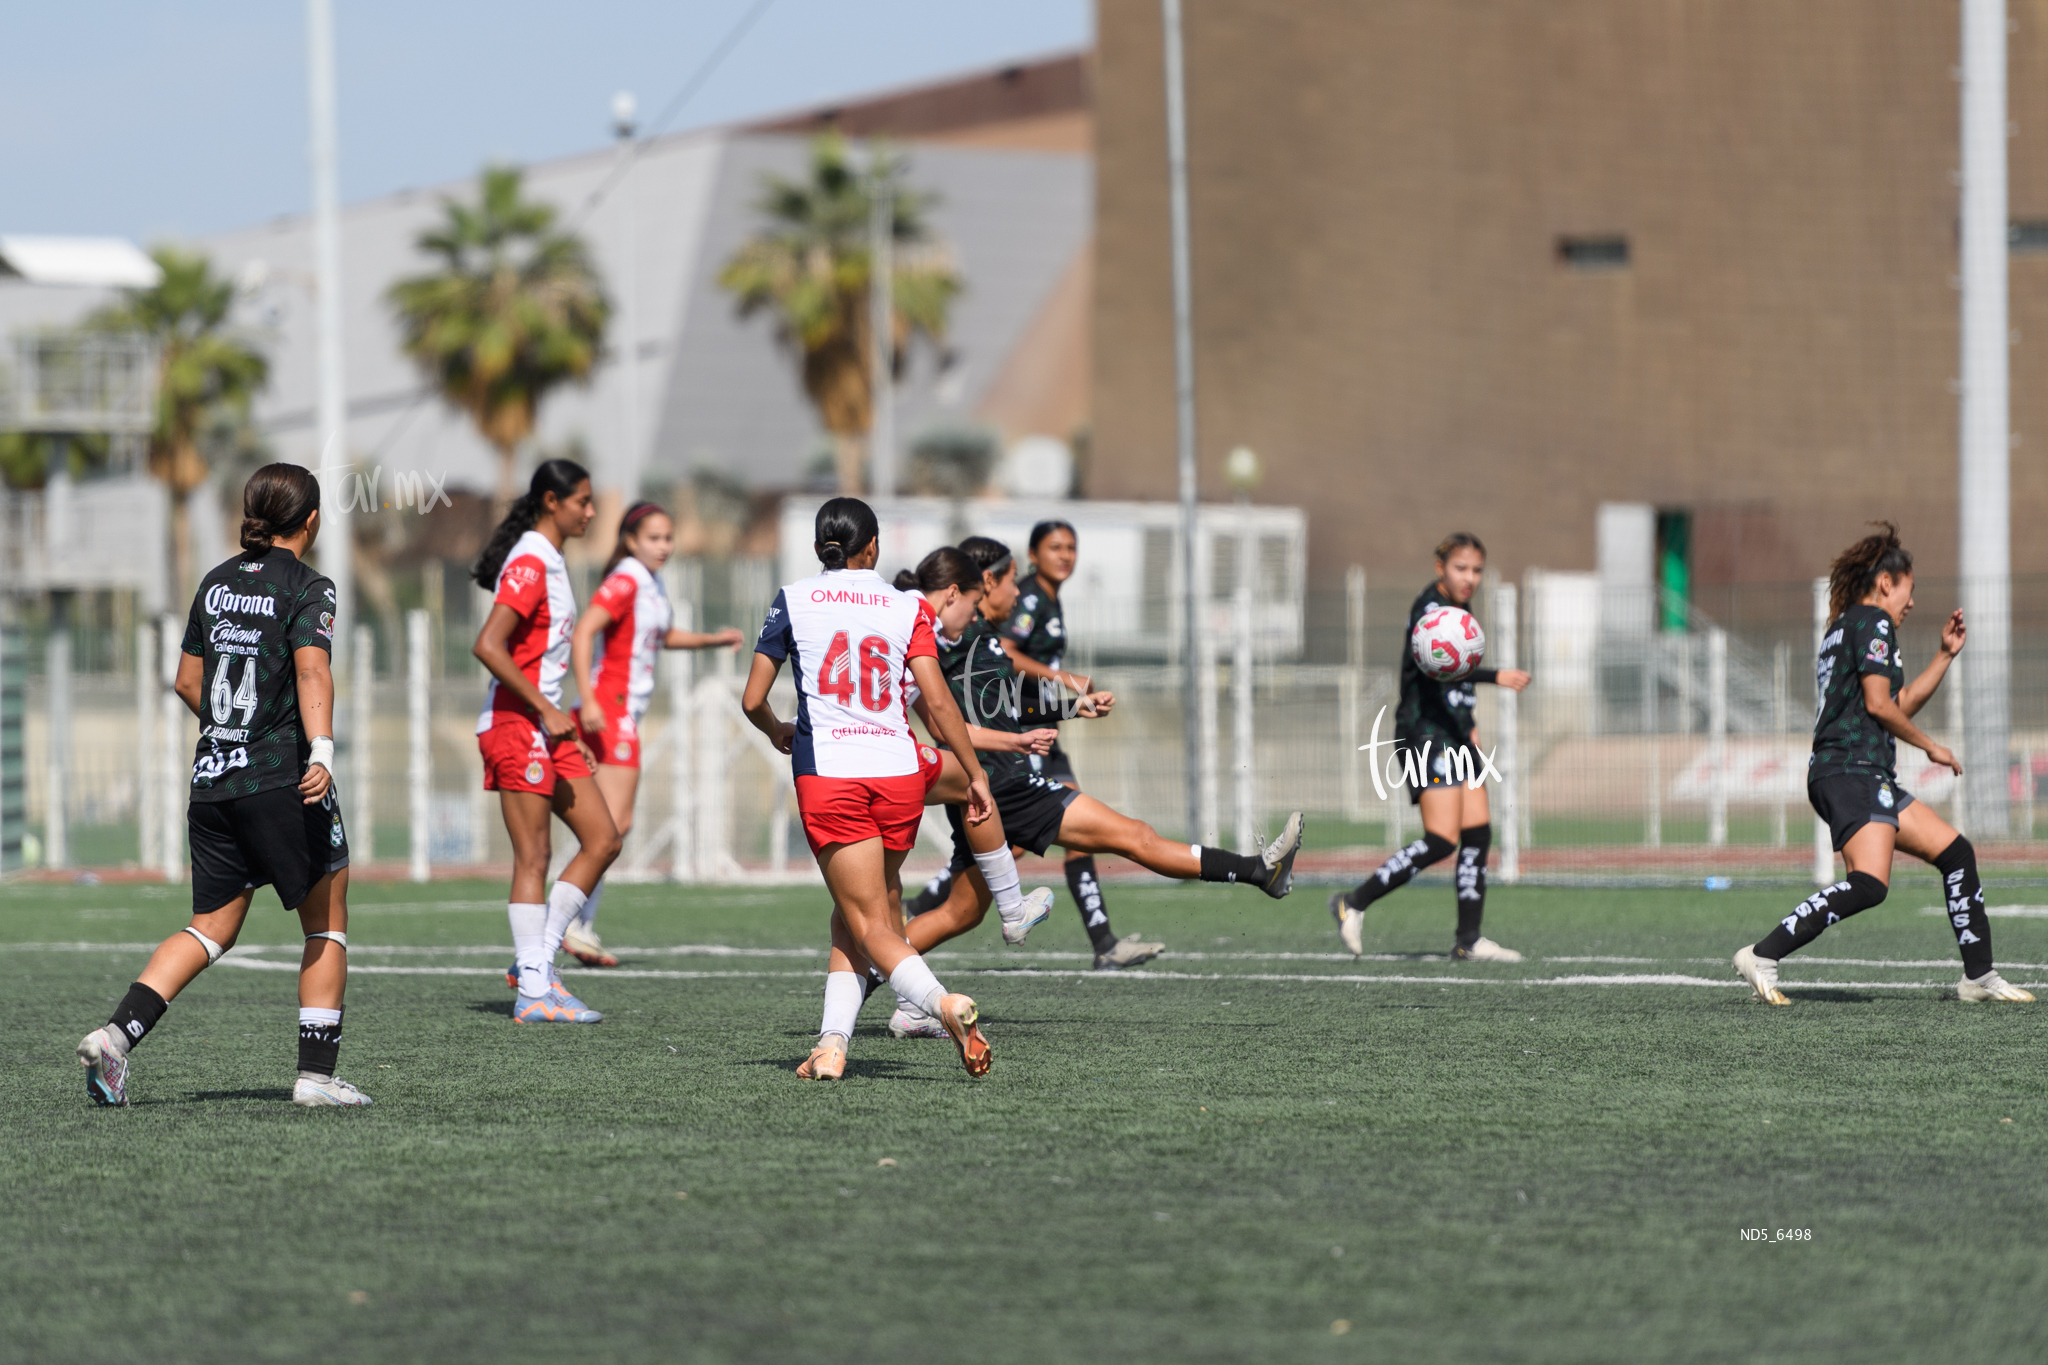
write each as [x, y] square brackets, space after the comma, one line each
[106, 1068]
[557, 1006]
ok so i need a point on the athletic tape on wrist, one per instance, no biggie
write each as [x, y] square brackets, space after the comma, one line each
[323, 752]
[213, 950]
[334, 934]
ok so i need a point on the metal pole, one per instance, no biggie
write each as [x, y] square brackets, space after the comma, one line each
[1207, 826]
[1184, 403]
[1506, 608]
[1985, 419]
[1241, 687]
[57, 745]
[337, 548]
[420, 761]
[881, 331]
[1653, 815]
[176, 762]
[1781, 714]
[682, 814]
[1823, 845]
[148, 808]
[362, 832]
[1717, 737]
[1352, 702]
[627, 469]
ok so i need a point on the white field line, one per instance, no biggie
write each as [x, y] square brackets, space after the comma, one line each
[1999, 911]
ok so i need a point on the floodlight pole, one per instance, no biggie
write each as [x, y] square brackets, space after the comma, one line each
[1184, 406]
[881, 331]
[337, 548]
[627, 471]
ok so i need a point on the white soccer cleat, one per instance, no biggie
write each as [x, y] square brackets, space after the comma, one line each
[1277, 859]
[1127, 952]
[106, 1067]
[583, 944]
[1990, 986]
[1762, 975]
[911, 1022]
[1485, 950]
[1350, 922]
[1033, 912]
[327, 1092]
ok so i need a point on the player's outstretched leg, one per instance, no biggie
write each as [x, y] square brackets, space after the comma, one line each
[1089, 825]
[177, 960]
[1758, 963]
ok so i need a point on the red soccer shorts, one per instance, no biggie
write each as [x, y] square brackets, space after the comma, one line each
[519, 758]
[618, 743]
[929, 767]
[846, 810]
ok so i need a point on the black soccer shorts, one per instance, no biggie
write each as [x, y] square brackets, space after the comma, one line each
[1849, 801]
[1031, 807]
[269, 839]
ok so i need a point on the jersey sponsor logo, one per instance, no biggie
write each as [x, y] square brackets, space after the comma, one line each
[1030, 601]
[210, 767]
[250, 568]
[522, 575]
[1884, 627]
[221, 599]
[1056, 629]
[228, 633]
[851, 599]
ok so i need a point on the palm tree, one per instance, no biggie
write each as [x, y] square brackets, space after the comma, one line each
[514, 309]
[206, 374]
[809, 266]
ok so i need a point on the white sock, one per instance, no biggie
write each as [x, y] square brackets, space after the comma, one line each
[309, 1014]
[842, 1005]
[589, 915]
[999, 870]
[565, 902]
[529, 929]
[914, 982]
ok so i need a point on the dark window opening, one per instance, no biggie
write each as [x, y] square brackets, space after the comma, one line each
[2028, 236]
[1593, 253]
[1674, 568]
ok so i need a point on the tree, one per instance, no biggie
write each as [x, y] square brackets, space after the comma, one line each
[809, 266]
[514, 309]
[207, 373]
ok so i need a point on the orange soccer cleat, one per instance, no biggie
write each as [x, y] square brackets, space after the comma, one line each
[961, 1018]
[827, 1062]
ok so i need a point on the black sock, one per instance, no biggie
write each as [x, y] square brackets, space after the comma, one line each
[319, 1046]
[1400, 869]
[1958, 866]
[137, 1013]
[1221, 865]
[1086, 890]
[931, 898]
[1845, 898]
[1473, 844]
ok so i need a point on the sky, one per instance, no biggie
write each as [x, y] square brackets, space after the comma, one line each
[154, 122]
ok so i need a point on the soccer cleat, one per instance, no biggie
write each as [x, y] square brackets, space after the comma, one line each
[1278, 858]
[1762, 975]
[1990, 986]
[963, 1023]
[328, 1091]
[1350, 922]
[557, 1006]
[106, 1068]
[1127, 952]
[827, 1062]
[583, 945]
[1037, 906]
[512, 977]
[1484, 950]
[911, 1022]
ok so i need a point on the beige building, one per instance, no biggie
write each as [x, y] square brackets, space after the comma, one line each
[1488, 265]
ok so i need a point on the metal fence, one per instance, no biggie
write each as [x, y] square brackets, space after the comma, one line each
[1666, 743]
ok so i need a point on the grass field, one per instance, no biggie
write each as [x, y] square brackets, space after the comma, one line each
[1259, 1151]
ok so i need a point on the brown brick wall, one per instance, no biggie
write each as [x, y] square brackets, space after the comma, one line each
[1378, 189]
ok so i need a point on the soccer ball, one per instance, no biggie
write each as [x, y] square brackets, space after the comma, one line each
[1447, 644]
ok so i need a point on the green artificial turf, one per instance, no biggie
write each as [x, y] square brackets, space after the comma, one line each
[1186, 1164]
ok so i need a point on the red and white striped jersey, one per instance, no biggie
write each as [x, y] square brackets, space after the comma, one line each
[624, 674]
[534, 582]
[849, 638]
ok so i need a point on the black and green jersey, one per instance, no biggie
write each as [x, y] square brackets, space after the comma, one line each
[1428, 708]
[251, 614]
[985, 685]
[1038, 627]
[1846, 739]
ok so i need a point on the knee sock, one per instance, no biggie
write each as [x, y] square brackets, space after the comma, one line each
[933, 896]
[915, 984]
[1221, 865]
[999, 870]
[319, 1041]
[843, 997]
[1473, 844]
[136, 1015]
[1818, 911]
[1086, 890]
[1958, 866]
[565, 902]
[1400, 869]
[588, 915]
[529, 933]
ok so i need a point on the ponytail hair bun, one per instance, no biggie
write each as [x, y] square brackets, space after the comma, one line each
[906, 581]
[845, 527]
[559, 477]
[276, 502]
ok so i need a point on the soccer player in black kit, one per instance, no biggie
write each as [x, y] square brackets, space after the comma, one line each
[1455, 814]
[1866, 707]
[263, 810]
[1035, 638]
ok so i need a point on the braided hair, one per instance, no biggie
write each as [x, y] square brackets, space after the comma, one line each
[559, 477]
[1853, 575]
[276, 502]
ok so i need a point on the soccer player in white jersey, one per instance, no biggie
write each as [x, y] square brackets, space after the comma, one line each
[533, 757]
[628, 622]
[848, 637]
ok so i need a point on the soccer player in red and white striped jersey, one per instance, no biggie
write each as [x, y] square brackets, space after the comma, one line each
[848, 637]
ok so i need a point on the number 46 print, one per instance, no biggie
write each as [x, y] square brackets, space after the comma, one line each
[835, 674]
